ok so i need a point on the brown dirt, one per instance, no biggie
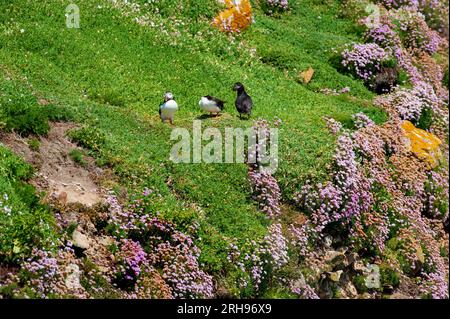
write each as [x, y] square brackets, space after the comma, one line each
[73, 190]
[57, 174]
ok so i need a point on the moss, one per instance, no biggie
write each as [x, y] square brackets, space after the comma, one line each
[360, 283]
[78, 157]
[34, 144]
[389, 277]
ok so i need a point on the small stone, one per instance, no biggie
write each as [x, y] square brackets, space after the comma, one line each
[330, 255]
[339, 262]
[351, 290]
[399, 295]
[335, 276]
[359, 266]
[352, 258]
[373, 279]
[106, 241]
[73, 278]
[328, 241]
[80, 240]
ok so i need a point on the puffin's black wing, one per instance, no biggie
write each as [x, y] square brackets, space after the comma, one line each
[244, 104]
[218, 102]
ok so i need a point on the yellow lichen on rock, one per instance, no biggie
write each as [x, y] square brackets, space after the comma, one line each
[423, 144]
[236, 17]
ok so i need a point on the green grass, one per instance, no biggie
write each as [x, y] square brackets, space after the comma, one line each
[34, 144]
[77, 156]
[25, 223]
[111, 73]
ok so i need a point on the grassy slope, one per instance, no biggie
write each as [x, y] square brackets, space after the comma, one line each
[112, 72]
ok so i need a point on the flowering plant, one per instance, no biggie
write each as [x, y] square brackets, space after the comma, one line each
[275, 6]
[364, 60]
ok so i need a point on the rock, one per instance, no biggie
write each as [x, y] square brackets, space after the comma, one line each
[345, 288]
[351, 290]
[366, 295]
[306, 76]
[420, 255]
[423, 144]
[298, 283]
[352, 258]
[373, 278]
[339, 262]
[335, 276]
[399, 295]
[386, 80]
[73, 278]
[446, 224]
[359, 266]
[62, 198]
[331, 255]
[326, 289]
[236, 17]
[80, 240]
[106, 241]
[328, 241]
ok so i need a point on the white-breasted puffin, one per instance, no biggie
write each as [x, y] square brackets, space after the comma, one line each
[168, 109]
[211, 104]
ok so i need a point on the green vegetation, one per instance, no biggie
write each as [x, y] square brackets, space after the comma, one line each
[77, 156]
[34, 144]
[25, 223]
[110, 75]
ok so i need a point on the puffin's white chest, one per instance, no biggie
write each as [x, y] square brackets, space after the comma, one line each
[208, 105]
[168, 109]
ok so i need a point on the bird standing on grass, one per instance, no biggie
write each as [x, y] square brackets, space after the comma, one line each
[168, 109]
[211, 104]
[244, 103]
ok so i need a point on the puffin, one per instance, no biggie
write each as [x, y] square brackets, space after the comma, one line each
[244, 103]
[211, 104]
[168, 109]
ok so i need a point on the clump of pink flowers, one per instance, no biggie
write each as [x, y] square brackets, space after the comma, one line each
[259, 261]
[361, 120]
[150, 243]
[364, 60]
[43, 272]
[409, 103]
[305, 292]
[131, 258]
[414, 31]
[399, 3]
[266, 190]
[333, 126]
[276, 5]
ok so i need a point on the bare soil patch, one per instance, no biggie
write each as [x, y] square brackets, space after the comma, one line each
[57, 174]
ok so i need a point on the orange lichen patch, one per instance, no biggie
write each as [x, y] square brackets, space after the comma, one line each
[306, 76]
[236, 17]
[423, 144]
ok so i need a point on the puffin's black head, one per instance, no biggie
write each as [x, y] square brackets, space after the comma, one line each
[238, 87]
